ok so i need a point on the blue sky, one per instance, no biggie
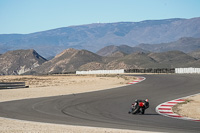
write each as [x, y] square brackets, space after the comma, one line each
[28, 16]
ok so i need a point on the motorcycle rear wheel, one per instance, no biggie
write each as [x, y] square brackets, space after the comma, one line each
[136, 110]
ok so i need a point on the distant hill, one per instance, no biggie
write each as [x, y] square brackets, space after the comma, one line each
[135, 60]
[19, 61]
[117, 54]
[171, 59]
[195, 54]
[93, 37]
[67, 61]
[72, 60]
[109, 50]
[185, 44]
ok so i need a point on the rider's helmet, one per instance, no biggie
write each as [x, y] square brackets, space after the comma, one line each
[146, 100]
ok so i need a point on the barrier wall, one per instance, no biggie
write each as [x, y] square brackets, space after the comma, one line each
[187, 70]
[151, 70]
[164, 70]
[12, 85]
[101, 72]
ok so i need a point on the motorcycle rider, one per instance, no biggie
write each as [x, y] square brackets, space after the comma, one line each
[144, 104]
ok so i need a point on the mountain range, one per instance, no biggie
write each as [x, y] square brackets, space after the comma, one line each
[70, 60]
[93, 37]
[186, 44]
[109, 50]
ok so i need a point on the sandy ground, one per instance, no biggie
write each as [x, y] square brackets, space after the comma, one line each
[190, 108]
[44, 86]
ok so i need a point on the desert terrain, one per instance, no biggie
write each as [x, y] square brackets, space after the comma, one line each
[54, 85]
[190, 108]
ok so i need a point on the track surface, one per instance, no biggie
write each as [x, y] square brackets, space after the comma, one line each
[109, 108]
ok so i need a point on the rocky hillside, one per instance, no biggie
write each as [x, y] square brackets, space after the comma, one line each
[72, 60]
[195, 54]
[171, 59]
[67, 61]
[96, 36]
[110, 50]
[19, 61]
[117, 54]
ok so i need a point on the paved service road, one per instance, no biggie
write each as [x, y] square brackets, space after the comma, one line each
[109, 108]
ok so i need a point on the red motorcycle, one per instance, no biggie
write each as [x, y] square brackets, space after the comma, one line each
[139, 107]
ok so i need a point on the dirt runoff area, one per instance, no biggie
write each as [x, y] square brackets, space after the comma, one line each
[54, 85]
[190, 108]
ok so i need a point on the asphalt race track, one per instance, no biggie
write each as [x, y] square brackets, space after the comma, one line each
[110, 108]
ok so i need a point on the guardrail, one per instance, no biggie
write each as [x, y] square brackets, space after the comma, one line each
[12, 85]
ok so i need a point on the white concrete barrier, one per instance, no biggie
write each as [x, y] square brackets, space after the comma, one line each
[101, 72]
[187, 70]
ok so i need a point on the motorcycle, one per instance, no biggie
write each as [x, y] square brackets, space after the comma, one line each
[137, 108]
